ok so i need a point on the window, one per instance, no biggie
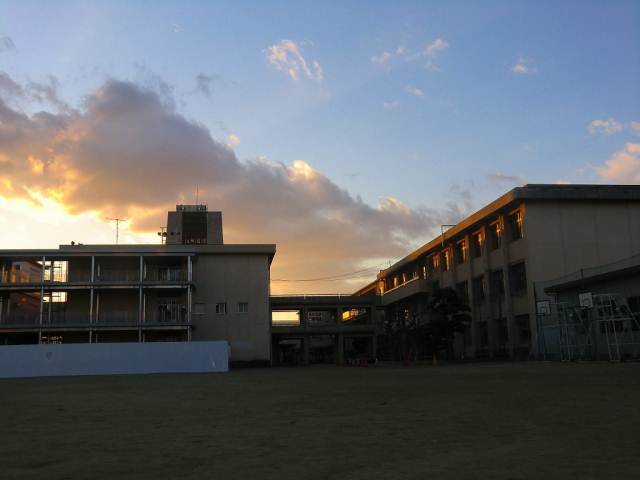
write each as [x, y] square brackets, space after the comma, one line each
[497, 284]
[463, 291]
[477, 243]
[483, 334]
[503, 332]
[461, 251]
[435, 262]
[285, 317]
[522, 324]
[518, 278]
[479, 289]
[446, 260]
[495, 234]
[315, 318]
[55, 297]
[634, 304]
[221, 308]
[424, 271]
[515, 225]
[243, 307]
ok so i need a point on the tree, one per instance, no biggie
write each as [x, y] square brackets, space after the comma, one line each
[447, 314]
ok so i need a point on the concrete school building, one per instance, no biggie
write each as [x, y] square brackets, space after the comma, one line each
[495, 258]
[196, 287]
[193, 287]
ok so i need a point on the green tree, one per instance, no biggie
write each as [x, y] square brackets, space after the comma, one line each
[447, 314]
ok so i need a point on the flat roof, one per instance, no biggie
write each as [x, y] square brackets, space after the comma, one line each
[528, 193]
[141, 249]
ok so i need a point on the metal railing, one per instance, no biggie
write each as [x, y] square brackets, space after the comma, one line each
[118, 275]
[118, 317]
[166, 275]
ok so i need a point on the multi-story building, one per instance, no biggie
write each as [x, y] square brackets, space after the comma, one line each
[194, 287]
[495, 257]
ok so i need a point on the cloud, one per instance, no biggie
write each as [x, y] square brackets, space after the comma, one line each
[391, 105]
[509, 179]
[6, 44]
[40, 92]
[384, 57]
[205, 83]
[126, 152]
[286, 56]
[233, 140]
[415, 91]
[605, 127]
[635, 127]
[623, 166]
[524, 66]
[429, 52]
[435, 47]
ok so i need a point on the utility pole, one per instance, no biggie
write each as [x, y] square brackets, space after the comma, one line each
[442, 227]
[117, 220]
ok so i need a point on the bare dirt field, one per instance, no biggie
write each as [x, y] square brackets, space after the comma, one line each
[485, 421]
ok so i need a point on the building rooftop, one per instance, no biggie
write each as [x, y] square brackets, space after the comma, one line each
[141, 249]
[529, 193]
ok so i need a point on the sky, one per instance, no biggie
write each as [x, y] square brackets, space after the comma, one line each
[344, 132]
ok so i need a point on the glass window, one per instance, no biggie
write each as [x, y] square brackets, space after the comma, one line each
[518, 278]
[243, 307]
[461, 251]
[515, 225]
[477, 243]
[479, 289]
[446, 260]
[495, 233]
[497, 284]
[463, 291]
[221, 308]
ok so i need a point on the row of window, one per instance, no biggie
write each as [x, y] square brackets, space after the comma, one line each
[221, 308]
[443, 261]
[517, 284]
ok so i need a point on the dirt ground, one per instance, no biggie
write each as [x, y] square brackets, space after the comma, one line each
[485, 421]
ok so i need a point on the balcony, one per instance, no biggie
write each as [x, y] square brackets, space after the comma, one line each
[20, 319]
[118, 317]
[415, 286]
[166, 275]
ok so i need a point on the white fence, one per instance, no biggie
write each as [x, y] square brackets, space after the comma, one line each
[113, 358]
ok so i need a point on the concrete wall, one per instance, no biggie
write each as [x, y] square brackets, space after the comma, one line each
[566, 236]
[113, 358]
[232, 279]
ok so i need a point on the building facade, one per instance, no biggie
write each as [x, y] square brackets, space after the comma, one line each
[195, 289]
[495, 257]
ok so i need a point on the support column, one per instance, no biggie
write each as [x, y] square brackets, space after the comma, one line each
[140, 299]
[374, 346]
[91, 295]
[41, 300]
[507, 289]
[306, 340]
[339, 346]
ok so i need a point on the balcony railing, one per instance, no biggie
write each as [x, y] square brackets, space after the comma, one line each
[20, 319]
[16, 277]
[118, 317]
[118, 275]
[166, 275]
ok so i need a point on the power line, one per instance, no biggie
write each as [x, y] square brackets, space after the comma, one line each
[332, 278]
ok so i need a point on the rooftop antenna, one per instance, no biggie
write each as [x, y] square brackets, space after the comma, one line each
[117, 220]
